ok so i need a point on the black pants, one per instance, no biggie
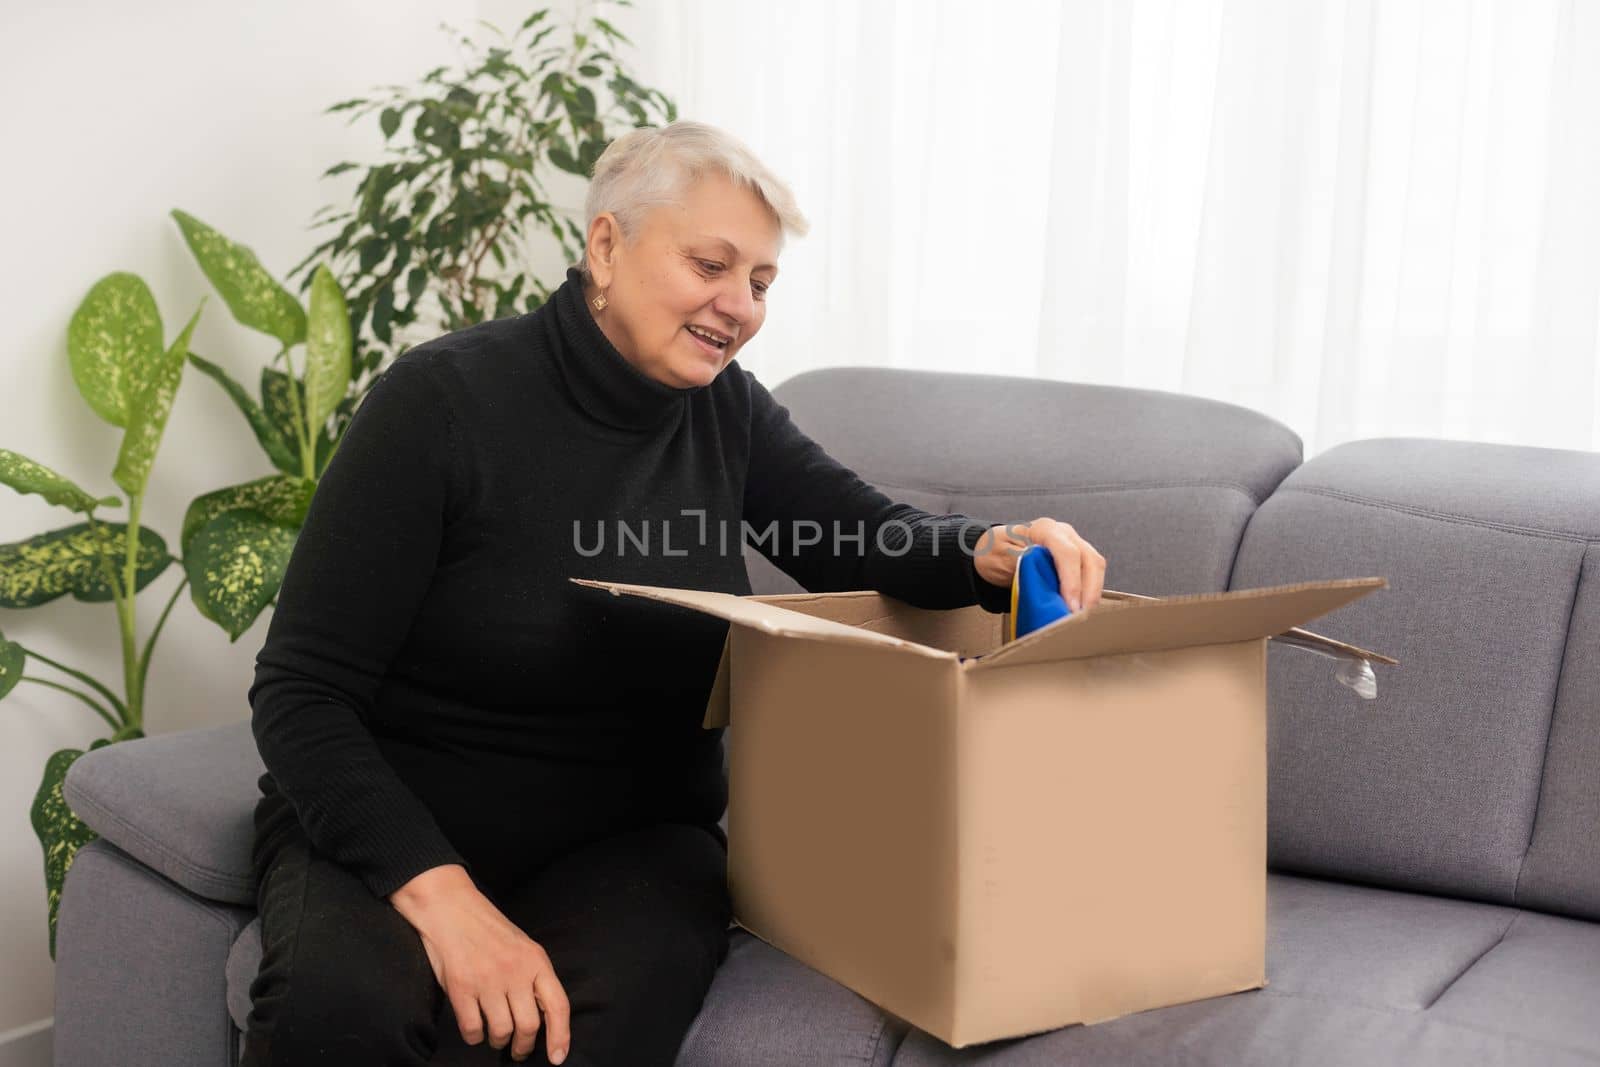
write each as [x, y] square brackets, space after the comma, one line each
[635, 925]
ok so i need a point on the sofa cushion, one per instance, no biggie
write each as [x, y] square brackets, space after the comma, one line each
[764, 1008]
[1162, 484]
[1434, 785]
[181, 803]
[1541, 978]
[1358, 976]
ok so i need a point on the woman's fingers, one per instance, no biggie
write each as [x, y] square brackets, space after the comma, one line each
[525, 1020]
[497, 1012]
[469, 1020]
[1094, 575]
[557, 1013]
[1079, 567]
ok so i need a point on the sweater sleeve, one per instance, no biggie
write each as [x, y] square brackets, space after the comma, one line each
[362, 562]
[831, 531]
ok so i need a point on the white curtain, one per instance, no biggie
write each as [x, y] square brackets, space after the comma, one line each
[1363, 217]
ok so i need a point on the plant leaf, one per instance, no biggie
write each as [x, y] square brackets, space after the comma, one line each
[12, 660]
[275, 402]
[50, 565]
[60, 832]
[235, 564]
[562, 157]
[255, 299]
[115, 331]
[278, 498]
[327, 348]
[611, 31]
[277, 449]
[328, 441]
[150, 397]
[26, 476]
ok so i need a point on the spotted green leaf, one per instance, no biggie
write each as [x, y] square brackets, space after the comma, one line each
[279, 498]
[12, 660]
[255, 299]
[114, 335]
[328, 441]
[327, 348]
[280, 409]
[279, 451]
[26, 476]
[235, 564]
[150, 397]
[280, 414]
[61, 833]
[50, 565]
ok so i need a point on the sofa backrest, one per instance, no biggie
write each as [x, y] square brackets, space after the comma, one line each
[1162, 484]
[1476, 771]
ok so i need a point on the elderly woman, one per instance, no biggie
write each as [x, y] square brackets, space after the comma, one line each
[489, 807]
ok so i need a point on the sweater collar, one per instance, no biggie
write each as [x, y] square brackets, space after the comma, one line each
[601, 380]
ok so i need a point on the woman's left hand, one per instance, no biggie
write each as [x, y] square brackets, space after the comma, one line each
[1082, 570]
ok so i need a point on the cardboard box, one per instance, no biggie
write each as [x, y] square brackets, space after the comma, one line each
[989, 840]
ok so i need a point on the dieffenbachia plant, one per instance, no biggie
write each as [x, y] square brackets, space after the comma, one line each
[129, 376]
[236, 541]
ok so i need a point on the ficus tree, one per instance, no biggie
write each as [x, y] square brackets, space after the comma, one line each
[437, 232]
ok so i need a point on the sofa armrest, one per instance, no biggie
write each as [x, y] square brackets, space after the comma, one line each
[141, 965]
[183, 804]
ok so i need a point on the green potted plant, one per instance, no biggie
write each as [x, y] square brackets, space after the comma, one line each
[129, 376]
[235, 541]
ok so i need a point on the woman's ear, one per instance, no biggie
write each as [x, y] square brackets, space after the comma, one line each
[605, 238]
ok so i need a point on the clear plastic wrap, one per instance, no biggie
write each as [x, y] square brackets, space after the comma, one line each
[1352, 671]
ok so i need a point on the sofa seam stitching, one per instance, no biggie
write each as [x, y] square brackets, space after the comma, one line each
[1473, 962]
[875, 1040]
[154, 845]
[1444, 516]
[891, 1027]
[1550, 730]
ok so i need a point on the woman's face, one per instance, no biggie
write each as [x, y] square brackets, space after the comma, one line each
[689, 291]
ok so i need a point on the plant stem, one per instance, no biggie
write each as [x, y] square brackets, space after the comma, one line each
[85, 697]
[302, 430]
[127, 610]
[150, 644]
[116, 702]
[106, 570]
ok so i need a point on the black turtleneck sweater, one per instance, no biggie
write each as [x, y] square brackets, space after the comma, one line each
[433, 689]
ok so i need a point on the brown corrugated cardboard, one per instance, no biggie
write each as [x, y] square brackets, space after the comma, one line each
[991, 839]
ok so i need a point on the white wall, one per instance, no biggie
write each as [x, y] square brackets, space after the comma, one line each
[117, 113]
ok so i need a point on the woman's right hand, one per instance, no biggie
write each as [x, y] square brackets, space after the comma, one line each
[488, 967]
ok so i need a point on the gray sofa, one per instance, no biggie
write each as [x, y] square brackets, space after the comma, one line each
[1435, 887]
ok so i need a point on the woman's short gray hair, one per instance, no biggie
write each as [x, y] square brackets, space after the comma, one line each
[653, 165]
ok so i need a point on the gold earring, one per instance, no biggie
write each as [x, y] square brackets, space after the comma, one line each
[599, 302]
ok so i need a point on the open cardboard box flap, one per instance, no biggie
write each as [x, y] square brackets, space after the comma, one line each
[1121, 623]
[758, 613]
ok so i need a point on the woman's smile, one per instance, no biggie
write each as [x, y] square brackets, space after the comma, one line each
[712, 342]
